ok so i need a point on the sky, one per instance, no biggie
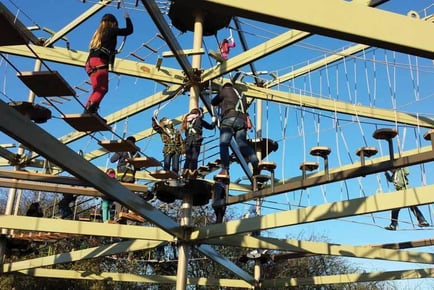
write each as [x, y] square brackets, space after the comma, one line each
[374, 77]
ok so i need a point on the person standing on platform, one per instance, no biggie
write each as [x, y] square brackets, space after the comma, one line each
[233, 124]
[107, 203]
[102, 55]
[125, 171]
[193, 124]
[173, 143]
[400, 180]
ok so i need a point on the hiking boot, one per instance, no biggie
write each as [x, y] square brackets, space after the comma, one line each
[91, 108]
[391, 227]
[423, 224]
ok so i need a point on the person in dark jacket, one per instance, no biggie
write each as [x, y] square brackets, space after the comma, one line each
[193, 124]
[65, 209]
[102, 55]
[125, 171]
[233, 112]
[399, 179]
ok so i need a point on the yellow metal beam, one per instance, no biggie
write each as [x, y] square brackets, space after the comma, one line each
[320, 248]
[350, 278]
[25, 223]
[73, 256]
[127, 277]
[336, 106]
[338, 19]
[78, 58]
[358, 206]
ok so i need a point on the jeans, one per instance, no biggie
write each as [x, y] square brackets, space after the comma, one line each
[171, 159]
[235, 127]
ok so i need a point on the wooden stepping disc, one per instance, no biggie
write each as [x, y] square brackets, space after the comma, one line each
[34, 112]
[222, 178]
[201, 191]
[309, 166]
[427, 135]
[385, 133]
[164, 174]
[144, 162]
[366, 151]
[261, 178]
[46, 83]
[119, 145]
[264, 165]
[86, 122]
[321, 151]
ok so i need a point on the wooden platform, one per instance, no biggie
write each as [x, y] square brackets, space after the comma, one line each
[34, 112]
[43, 236]
[46, 83]
[13, 31]
[119, 145]
[144, 162]
[131, 216]
[86, 122]
[163, 174]
[200, 189]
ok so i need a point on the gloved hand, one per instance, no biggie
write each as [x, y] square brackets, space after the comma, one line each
[214, 119]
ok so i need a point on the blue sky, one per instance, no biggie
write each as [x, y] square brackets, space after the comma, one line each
[376, 77]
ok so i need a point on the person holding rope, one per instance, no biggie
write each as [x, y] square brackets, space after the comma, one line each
[233, 124]
[102, 55]
[193, 124]
[173, 142]
[399, 179]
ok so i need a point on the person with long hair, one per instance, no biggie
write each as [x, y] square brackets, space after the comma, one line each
[193, 124]
[102, 55]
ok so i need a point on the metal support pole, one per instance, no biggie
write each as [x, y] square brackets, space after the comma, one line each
[183, 248]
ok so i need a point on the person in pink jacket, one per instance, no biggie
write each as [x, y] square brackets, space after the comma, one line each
[225, 46]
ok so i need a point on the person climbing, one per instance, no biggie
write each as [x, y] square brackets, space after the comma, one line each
[102, 55]
[225, 46]
[400, 180]
[107, 203]
[173, 142]
[193, 124]
[233, 124]
[125, 171]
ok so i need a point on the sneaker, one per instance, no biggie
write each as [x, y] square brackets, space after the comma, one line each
[423, 224]
[224, 172]
[391, 227]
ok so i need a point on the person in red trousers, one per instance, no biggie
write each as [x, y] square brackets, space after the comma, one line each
[102, 55]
